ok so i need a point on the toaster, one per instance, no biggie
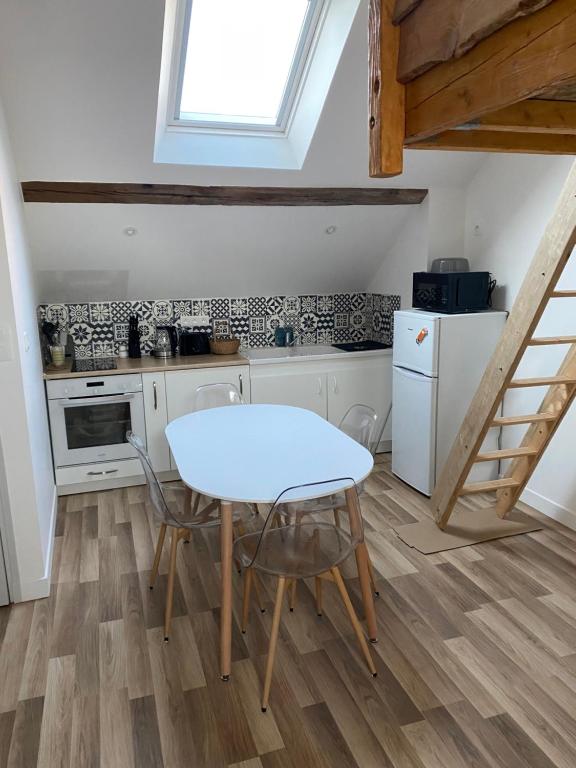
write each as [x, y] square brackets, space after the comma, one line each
[194, 343]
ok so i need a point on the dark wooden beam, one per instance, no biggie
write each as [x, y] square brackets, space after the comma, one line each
[520, 61]
[386, 95]
[500, 141]
[183, 194]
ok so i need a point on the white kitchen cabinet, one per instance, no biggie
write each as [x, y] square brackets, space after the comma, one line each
[181, 385]
[156, 415]
[327, 387]
[367, 381]
[299, 384]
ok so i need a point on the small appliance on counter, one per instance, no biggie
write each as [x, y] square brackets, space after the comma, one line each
[194, 343]
[134, 350]
[166, 342]
[452, 292]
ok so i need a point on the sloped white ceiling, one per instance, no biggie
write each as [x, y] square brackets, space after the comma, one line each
[79, 85]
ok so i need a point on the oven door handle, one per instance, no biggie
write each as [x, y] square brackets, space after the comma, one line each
[95, 400]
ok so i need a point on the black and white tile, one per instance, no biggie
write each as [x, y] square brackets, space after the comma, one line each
[98, 328]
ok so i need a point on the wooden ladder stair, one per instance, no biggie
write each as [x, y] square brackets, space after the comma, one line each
[537, 290]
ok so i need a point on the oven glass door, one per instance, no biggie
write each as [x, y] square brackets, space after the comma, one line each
[93, 429]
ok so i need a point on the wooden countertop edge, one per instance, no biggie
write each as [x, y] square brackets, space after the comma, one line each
[148, 364]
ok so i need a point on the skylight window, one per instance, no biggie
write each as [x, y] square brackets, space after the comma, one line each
[242, 62]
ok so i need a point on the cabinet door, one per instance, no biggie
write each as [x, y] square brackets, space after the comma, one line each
[285, 384]
[181, 385]
[155, 413]
[366, 381]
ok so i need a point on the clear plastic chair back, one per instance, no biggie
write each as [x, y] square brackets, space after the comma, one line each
[159, 506]
[215, 396]
[302, 545]
[359, 423]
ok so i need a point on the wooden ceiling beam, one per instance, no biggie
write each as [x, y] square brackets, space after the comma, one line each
[500, 141]
[386, 96]
[184, 194]
[519, 61]
[531, 116]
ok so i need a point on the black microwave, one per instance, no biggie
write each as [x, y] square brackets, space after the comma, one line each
[452, 292]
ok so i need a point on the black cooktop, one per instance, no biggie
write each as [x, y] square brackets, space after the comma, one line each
[362, 346]
[82, 364]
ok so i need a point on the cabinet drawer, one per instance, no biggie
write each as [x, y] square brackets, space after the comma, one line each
[107, 471]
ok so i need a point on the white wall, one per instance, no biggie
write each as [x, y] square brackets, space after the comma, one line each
[508, 205]
[82, 253]
[408, 253]
[28, 497]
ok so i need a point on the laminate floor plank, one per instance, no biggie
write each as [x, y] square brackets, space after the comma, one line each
[13, 654]
[56, 729]
[26, 735]
[476, 652]
[85, 748]
[6, 731]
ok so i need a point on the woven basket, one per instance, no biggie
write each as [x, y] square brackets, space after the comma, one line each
[224, 346]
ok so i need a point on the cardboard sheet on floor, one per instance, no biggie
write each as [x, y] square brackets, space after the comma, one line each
[465, 527]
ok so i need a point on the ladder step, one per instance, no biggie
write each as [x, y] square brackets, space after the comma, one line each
[488, 485]
[506, 453]
[531, 418]
[544, 381]
[546, 340]
[563, 294]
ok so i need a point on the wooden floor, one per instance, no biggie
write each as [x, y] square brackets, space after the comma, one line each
[476, 658]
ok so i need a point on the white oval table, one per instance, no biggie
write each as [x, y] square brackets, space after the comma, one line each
[251, 453]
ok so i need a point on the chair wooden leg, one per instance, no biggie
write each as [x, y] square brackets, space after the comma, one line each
[188, 537]
[273, 640]
[158, 555]
[171, 578]
[318, 584]
[371, 572]
[336, 575]
[258, 594]
[292, 595]
[248, 572]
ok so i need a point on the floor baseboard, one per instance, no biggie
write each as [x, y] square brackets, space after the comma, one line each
[34, 590]
[550, 508]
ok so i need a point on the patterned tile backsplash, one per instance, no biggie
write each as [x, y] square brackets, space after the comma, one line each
[97, 329]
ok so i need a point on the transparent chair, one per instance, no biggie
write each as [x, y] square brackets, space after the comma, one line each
[180, 517]
[360, 422]
[216, 396]
[291, 549]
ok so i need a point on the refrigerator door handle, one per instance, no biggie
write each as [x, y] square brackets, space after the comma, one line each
[409, 374]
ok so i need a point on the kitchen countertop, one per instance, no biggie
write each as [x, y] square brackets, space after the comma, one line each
[294, 354]
[260, 356]
[148, 364]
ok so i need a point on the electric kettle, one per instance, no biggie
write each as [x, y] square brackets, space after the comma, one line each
[166, 341]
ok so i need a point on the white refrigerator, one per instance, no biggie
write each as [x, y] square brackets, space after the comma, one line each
[438, 363]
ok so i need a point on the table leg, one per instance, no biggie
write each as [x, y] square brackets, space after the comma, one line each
[226, 578]
[362, 562]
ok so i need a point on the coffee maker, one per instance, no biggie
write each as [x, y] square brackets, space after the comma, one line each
[166, 342]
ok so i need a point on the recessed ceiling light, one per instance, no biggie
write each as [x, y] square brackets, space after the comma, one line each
[130, 231]
[330, 230]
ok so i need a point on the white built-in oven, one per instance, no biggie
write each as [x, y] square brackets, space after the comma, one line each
[89, 418]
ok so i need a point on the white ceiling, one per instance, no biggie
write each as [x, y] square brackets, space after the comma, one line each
[78, 80]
